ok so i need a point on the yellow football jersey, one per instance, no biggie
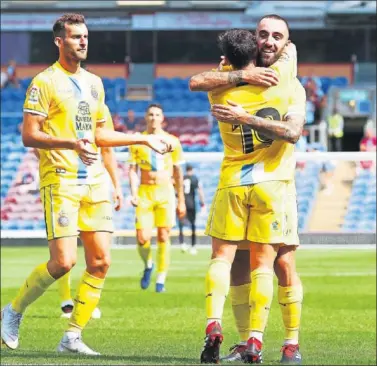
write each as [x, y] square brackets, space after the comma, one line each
[250, 157]
[149, 160]
[72, 105]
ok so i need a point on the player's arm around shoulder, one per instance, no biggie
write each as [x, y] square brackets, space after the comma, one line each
[223, 78]
[288, 130]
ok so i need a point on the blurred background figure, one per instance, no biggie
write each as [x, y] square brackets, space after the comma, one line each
[119, 124]
[192, 187]
[335, 131]
[12, 74]
[130, 120]
[368, 144]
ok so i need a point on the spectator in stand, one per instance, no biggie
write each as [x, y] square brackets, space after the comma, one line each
[335, 131]
[12, 74]
[119, 124]
[315, 101]
[4, 78]
[302, 146]
[368, 144]
[130, 120]
[128, 66]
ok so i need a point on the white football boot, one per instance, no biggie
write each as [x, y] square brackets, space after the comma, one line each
[193, 250]
[10, 325]
[72, 343]
[184, 247]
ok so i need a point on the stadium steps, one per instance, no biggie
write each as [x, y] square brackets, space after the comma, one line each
[334, 202]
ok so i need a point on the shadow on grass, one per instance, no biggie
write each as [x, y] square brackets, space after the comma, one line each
[27, 357]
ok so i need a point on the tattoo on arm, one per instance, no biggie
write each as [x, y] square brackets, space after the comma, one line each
[235, 77]
[289, 130]
[211, 80]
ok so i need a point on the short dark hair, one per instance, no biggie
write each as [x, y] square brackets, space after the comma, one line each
[59, 27]
[156, 105]
[274, 16]
[189, 167]
[238, 46]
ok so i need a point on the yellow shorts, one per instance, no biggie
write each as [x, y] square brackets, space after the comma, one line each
[156, 207]
[265, 213]
[70, 209]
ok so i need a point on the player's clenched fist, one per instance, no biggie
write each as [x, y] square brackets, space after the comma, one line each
[84, 149]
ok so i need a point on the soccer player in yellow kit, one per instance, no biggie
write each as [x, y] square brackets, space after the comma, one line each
[154, 200]
[111, 166]
[255, 203]
[272, 34]
[64, 116]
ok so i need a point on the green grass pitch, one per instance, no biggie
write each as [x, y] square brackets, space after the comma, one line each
[142, 327]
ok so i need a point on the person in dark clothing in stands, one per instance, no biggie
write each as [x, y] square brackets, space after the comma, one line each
[191, 186]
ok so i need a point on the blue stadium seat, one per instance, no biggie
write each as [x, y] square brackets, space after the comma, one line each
[340, 81]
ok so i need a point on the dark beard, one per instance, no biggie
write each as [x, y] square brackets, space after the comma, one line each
[260, 62]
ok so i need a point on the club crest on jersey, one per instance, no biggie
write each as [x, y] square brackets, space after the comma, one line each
[33, 95]
[83, 118]
[63, 219]
[94, 92]
[275, 225]
[83, 108]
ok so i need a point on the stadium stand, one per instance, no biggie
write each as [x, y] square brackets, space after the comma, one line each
[187, 118]
[361, 213]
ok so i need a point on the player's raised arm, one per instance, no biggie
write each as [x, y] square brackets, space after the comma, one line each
[289, 130]
[110, 138]
[286, 65]
[210, 80]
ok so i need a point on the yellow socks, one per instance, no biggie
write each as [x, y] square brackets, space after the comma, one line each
[239, 296]
[217, 285]
[35, 285]
[261, 293]
[64, 287]
[162, 260]
[290, 300]
[145, 253]
[86, 300]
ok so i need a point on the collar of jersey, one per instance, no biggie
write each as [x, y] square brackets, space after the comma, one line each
[58, 66]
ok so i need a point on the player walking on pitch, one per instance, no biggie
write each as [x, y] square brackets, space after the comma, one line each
[154, 199]
[64, 114]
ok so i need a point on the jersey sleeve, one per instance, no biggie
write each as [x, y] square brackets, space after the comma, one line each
[286, 66]
[38, 96]
[297, 100]
[109, 124]
[101, 114]
[177, 154]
